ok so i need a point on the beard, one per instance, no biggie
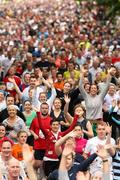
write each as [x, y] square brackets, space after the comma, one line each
[44, 113]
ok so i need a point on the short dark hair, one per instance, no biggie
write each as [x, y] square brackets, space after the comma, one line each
[59, 73]
[3, 125]
[44, 103]
[78, 124]
[54, 120]
[10, 95]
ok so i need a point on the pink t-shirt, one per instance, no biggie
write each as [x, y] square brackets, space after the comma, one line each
[80, 145]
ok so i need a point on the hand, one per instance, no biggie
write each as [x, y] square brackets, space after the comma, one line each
[108, 128]
[110, 70]
[27, 154]
[105, 107]
[108, 146]
[50, 81]
[114, 103]
[83, 176]
[40, 74]
[67, 99]
[72, 134]
[62, 123]
[102, 152]
[68, 149]
[12, 80]
[84, 131]
[36, 136]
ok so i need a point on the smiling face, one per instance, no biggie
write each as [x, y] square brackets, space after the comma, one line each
[11, 70]
[32, 82]
[27, 106]
[93, 90]
[27, 78]
[67, 87]
[57, 103]
[42, 97]
[2, 131]
[12, 111]
[112, 90]
[101, 131]
[22, 138]
[55, 126]
[6, 149]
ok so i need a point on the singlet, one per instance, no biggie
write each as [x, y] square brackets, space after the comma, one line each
[4, 177]
[59, 118]
[83, 123]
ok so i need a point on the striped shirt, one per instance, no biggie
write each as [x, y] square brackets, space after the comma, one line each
[116, 166]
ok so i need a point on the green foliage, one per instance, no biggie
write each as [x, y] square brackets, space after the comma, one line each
[112, 7]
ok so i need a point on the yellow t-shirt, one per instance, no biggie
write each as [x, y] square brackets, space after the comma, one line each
[76, 75]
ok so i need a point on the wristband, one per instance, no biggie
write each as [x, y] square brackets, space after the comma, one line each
[106, 160]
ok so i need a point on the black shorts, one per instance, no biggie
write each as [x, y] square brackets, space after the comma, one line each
[39, 154]
[50, 166]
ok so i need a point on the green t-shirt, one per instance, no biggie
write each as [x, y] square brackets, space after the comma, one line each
[29, 118]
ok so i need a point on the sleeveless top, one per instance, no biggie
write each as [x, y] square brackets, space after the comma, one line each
[83, 124]
[59, 118]
[4, 177]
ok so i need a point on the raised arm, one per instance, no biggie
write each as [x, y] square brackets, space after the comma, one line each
[102, 153]
[71, 126]
[81, 84]
[53, 96]
[89, 131]
[105, 88]
[28, 158]
[16, 87]
[61, 141]
[63, 173]
[111, 149]
[85, 164]
[67, 114]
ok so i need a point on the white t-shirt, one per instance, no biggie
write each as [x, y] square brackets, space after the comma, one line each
[108, 99]
[91, 147]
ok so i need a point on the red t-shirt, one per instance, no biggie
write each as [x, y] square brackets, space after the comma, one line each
[115, 59]
[35, 127]
[10, 85]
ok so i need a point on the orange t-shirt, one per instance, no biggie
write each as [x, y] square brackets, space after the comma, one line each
[17, 151]
[59, 85]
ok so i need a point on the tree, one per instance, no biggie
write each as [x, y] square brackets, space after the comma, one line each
[112, 7]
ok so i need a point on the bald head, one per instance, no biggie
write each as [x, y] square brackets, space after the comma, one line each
[13, 168]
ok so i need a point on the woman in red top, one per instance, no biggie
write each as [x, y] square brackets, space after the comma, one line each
[51, 160]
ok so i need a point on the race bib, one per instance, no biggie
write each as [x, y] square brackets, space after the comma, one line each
[10, 86]
[41, 135]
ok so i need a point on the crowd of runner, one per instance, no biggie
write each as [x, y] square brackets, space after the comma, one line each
[59, 91]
